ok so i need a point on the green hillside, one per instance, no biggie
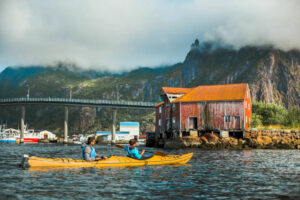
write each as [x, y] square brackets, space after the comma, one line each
[272, 75]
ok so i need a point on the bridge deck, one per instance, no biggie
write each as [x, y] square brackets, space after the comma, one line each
[78, 102]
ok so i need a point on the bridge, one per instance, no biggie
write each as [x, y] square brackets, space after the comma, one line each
[66, 102]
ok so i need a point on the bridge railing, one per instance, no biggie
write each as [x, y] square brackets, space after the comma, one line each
[78, 101]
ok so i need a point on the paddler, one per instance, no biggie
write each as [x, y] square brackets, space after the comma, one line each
[133, 151]
[88, 151]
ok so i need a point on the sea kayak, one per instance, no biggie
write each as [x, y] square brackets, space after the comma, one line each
[113, 161]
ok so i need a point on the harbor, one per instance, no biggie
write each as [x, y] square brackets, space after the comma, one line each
[11, 135]
[235, 174]
[160, 100]
[128, 130]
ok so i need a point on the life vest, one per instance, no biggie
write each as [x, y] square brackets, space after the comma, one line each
[133, 152]
[93, 152]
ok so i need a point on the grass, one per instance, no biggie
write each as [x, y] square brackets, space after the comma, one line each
[278, 127]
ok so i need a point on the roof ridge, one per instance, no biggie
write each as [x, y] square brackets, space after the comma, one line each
[177, 87]
[186, 94]
[204, 96]
[223, 84]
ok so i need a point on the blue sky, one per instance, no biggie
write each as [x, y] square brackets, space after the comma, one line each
[121, 35]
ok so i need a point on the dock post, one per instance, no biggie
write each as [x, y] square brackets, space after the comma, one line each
[113, 136]
[22, 124]
[66, 124]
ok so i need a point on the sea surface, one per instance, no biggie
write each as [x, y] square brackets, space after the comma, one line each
[210, 174]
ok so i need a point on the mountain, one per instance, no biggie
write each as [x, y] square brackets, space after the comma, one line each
[273, 76]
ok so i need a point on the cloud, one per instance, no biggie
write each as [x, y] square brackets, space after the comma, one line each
[124, 34]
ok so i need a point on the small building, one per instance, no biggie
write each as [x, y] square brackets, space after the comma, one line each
[128, 130]
[218, 108]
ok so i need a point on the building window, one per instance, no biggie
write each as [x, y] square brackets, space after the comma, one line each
[159, 122]
[174, 120]
[173, 107]
[168, 123]
[159, 109]
[227, 118]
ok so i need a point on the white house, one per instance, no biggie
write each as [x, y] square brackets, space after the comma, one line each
[128, 130]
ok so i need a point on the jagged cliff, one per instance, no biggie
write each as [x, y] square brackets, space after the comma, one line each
[273, 76]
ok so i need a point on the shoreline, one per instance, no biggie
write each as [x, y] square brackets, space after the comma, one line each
[253, 139]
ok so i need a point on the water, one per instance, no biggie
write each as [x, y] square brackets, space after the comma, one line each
[211, 174]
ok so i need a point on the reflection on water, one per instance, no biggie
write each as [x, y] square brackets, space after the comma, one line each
[224, 174]
[76, 169]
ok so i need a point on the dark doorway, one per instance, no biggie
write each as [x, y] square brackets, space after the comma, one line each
[193, 123]
[238, 122]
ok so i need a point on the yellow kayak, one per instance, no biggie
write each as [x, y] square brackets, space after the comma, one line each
[113, 161]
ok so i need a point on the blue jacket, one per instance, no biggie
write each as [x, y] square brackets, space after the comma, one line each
[133, 152]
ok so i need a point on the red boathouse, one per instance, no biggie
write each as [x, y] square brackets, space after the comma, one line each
[218, 108]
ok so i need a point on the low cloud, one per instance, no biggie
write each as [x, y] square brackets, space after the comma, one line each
[121, 35]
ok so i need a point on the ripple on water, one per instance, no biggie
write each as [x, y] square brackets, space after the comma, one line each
[211, 174]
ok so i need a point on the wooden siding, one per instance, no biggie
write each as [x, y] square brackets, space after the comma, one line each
[247, 107]
[211, 115]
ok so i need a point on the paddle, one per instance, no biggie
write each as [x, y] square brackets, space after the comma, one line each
[159, 153]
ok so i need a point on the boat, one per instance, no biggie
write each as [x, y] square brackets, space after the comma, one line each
[8, 135]
[11, 135]
[4, 138]
[142, 140]
[158, 158]
[79, 139]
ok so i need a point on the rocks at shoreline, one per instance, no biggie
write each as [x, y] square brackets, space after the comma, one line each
[257, 139]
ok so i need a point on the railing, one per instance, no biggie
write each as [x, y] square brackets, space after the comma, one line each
[90, 102]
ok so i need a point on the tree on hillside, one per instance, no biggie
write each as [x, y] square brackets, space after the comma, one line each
[269, 113]
[293, 117]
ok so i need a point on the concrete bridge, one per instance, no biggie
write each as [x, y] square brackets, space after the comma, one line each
[66, 102]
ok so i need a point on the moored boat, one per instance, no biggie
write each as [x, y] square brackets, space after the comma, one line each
[7, 139]
[158, 158]
[8, 135]
[11, 135]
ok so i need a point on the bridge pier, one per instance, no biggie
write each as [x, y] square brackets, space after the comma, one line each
[22, 124]
[66, 124]
[113, 136]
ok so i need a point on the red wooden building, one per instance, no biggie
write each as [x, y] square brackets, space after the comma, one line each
[204, 108]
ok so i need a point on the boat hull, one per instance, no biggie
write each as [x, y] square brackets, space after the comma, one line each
[8, 140]
[113, 161]
[30, 140]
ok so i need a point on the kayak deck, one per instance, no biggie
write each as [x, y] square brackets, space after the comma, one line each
[113, 161]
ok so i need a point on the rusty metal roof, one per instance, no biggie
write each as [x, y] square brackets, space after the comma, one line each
[215, 93]
[159, 104]
[175, 90]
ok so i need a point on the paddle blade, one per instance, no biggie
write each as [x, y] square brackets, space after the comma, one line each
[119, 146]
[159, 153]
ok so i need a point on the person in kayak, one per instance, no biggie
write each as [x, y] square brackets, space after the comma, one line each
[88, 151]
[132, 151]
